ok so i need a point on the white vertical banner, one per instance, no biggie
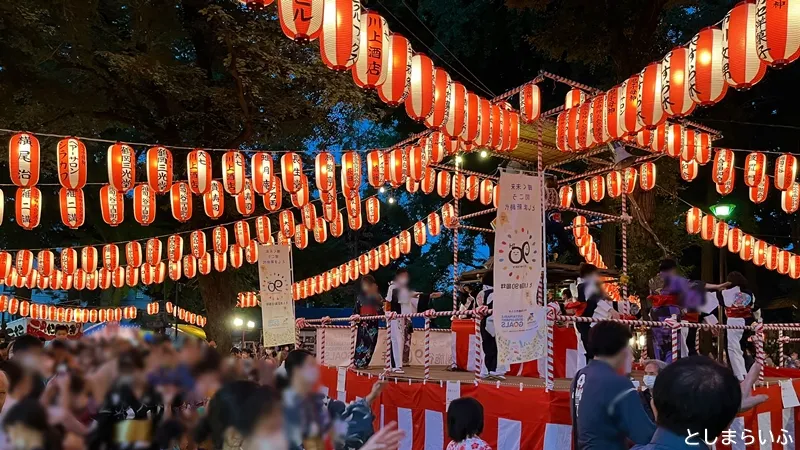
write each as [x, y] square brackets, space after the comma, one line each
[518, 265]
[277, 306]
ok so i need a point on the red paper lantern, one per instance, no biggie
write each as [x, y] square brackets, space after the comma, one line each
[676, 99]
[133, 254]
[573, 128]
[174, 248]
[337, 226]
[24, 262]
[651, 109]
[434, 224]
[689, 145]
[420, 102]
[573, 98]
[236, 256]
[73, 209]
[727, 187]
[458, 185]
[23, 159]
[69, 260]
[759, 252]
[233, 172]
[351, 171]
[614, 112]
[742, 67]
[355, 221]
[219, 239]
[790, 198]
[598, 188]
[325, 171]
[706, 81]
[629, 177]
[597, 119]
[112, 205]
[181, 201]
[794, 267]
[372, 58]
[630, 110]
[755, 168]
[190, 266]
[771, 262]
[144, 204]
[585, 135]
[785, 171]
[486, 189]
[484, 136]
[456, 115]
[776, 37]
[320, 230]
[708, 225]
[301, 20]
[339, 40]
[28, 207]
[79, 279]
[441, 95]
[675, 137]
[659, 141]
[693, 220]
[246, 199]
[376, 168]
[89, 259]
[530, 103]
[702, 153]
[428, 182]
[448, 215]
[300, 236]
[152, 251]
[204, 264]
[373, 210]
[759, 193]
[579, 228]
[132, 277]
[159, 169]
[472, 118]
[220, 262]
[405, 242]
[110, 256]
[121, 161]
[214, 200]
[71, 162]
[564, 196]
[613, 183]
[443, 183]
[262, 172]
[45, 263]
[286, 223]
[241, 233]
[784, 261]
[292, 172]
[497, 127]
[689, 170]
[644, 138]
[721, 234]
[198, 168]
[583, 192]
[722, 171]
[394, 88]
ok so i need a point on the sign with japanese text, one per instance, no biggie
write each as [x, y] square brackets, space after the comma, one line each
[277, 306]
[519, 321]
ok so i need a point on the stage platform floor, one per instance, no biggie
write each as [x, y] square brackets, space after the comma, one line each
[440, 373]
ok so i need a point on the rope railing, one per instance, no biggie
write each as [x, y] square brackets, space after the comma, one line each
[759, 328]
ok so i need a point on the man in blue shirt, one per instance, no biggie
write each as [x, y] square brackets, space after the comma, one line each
[695, 400]
[606, 410]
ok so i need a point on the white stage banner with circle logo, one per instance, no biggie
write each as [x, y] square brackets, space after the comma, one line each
[519, 320]
[277, 306]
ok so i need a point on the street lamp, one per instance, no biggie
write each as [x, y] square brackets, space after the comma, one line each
[722, 210]
[250, 324]
[238, 323]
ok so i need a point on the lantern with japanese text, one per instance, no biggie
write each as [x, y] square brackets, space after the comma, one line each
[472, 187]
[630, 111]
[112, 205]
[24, 155]
[742, 67]
[337, 225]
[790, 198]
[583, 191]
[644, 138]
[723, 167]
[650, 102]
[472, 119]
[579, 228]
[28, 207]
[394, 88]
[300, 198]
[785, 171]
[484, 136]
[398, 166]
[456, 115]
[614, 111]
[458, 185]
[693, 219]
[420, 234]
[372, 58]
[659, 142]
[675, 137]
[89, 259]
[24, 262]
[376, 168]
[417, 162]
[152, 251]
[405, 242]
[443, 183]
[441, 97]
[776, 38]
[174, 248]
[144, 204]
[530, 103]
[702, 153]
[340, 37]
[241, 233]
[45, 263]
[784, 260]
[233, 172]
[198, 169]
[104, 277]
[759, 193]
[214, 200]
[220, 262]
[121, 161]
[449, 216]
[420, 102]
[263, 230]
[133, 254]
[219, 239]
[69, 260]
[71, 162]
[676, 99]
[771, 260]
[354, 221]
[706, 81]
[689, 170]
[565, 196]
[73, 209]
[597, 186]
[726, 187]
[325, 171]
[110, 254]
[351, 171]
[291, 172]
[585, 136]
[755, 168]
[486, 190]
[301, 236]
[708, 225]
[573, 98]
[759, 252]
[159, 169]
[236, 256]
[573, 129]
[131, 277]
[246, 199]
[301, 20]
[181, 201]
[721, 234]
[373, 210]
[320, 230]
[189, 266]
[286, 223]
[434, 224]
[689, 145]
[597, 119]
[79, 279]
[204, 264]
[613, 183]
[6, 264]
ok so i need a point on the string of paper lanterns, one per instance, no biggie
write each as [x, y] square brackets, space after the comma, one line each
[754, 35]
[376, 257]
[746, 246]
[587, 248]
[613, 184]
[358, 40]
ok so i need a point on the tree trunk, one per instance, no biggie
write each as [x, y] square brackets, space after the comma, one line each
[218, 291]
[608, 244]
[707, 262]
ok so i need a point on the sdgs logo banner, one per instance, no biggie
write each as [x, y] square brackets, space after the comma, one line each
[277, 307]
[519, 316]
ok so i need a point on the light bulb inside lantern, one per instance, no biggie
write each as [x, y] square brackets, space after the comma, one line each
[705, 58]
[484, 154]
[677, 76]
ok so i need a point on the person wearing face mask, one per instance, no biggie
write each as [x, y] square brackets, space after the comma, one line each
[307, 421]
[591, 302]
[399, 298]
[605, 408]
[651, 370]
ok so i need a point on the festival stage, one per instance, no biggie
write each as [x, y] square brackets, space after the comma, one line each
[440, 373]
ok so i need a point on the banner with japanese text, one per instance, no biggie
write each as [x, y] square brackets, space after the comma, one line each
[519, 321]
[277, 306]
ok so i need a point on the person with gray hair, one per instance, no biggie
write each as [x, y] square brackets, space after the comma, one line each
[652, 367]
